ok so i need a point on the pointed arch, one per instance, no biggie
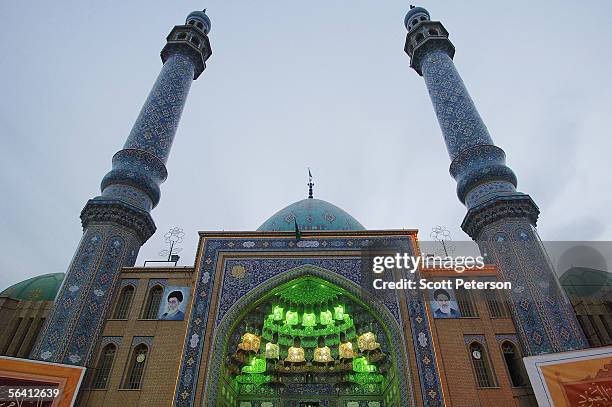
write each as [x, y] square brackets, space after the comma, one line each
[153, 299]
[399, 353]
[124, 303]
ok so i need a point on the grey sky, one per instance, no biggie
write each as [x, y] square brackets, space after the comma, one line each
[324, 84]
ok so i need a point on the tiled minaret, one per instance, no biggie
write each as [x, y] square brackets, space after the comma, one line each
[118, 222]
[501, 219]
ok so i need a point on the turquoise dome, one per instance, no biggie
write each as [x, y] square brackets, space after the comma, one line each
[585, 281]
[311, 214]
[40, 288]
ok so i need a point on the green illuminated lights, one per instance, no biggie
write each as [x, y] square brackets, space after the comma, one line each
[292, 330]
[326, 318]
[365, 378]
[256, 379]
[291, 318]
[309, 319]
[339, 312]
[361, 365]
[278, 313]
[308, 291]
[257, 365]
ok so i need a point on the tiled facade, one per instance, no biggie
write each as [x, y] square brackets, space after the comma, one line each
[155, 362]
[118, 222]
[433, 352]
[501, 219]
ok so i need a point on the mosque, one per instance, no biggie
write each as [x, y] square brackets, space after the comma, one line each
[280, 316]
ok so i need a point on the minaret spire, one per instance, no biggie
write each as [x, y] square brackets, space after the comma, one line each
[118, 222]
[501, 219]
[310, 184]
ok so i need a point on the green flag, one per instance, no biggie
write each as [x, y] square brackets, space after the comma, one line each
[298, 235]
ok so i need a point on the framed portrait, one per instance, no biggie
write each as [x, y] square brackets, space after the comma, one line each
[444, 303]
[173, 303]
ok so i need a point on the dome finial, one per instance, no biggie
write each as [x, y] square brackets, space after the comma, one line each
[310, 184]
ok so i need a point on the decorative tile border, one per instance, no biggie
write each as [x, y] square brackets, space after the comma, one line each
[157, 281]
[196, 330]
[467, 339]
[507, 337]
[147, 340]
[129, 281]
[246, 301]
[115, 340]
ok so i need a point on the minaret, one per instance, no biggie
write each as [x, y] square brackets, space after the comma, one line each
[499, 218]
[118, 222]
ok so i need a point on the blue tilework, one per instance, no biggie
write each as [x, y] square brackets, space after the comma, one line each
[507, 337]
[544, 318]
[461, 124]
[467, 339]
[116, 340]
[147, 340]
[135, 178]
[98, 300]
[196, 330]
[158, 120]
[157, 281]
[130, 195]
[75, 322]
[259, 271]
[488, 190]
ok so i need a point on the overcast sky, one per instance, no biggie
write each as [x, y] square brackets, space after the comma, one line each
[291, 85]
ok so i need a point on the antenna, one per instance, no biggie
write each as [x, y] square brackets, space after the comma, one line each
[441, 234]
[172, 237]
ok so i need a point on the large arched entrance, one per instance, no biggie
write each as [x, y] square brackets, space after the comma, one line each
[311, 339]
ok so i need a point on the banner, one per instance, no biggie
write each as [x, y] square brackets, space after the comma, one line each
[29, 383]
[572, 379]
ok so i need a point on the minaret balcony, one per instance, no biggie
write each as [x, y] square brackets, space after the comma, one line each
[426, 36]
[191, 41]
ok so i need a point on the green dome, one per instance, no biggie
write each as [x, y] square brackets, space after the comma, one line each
[40, 288]
[311, 214]
[585, 281]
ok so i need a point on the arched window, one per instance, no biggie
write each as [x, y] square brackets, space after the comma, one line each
[136, 367]
[103, 369]
[181, 36]
[482, 369]
[496, 305]
[200, 25]
[415, 22]
[191, 22]
[465, 300]
[153, 301]
[195, 41]
[124, 302]
[433, 31]
[516, 370]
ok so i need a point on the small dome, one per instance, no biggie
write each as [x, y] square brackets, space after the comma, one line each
[311, 214]
[40, 288]
[415, 13]
[584, 281]
[201, 17]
